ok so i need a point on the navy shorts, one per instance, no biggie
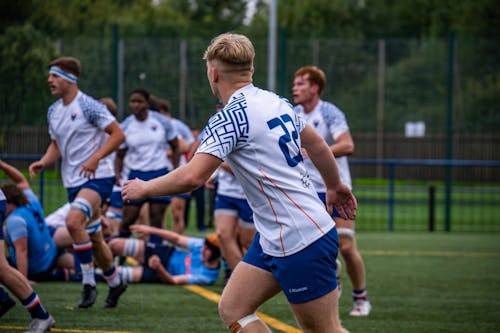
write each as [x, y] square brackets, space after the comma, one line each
[103, 186]
[148, 175]
[234, 206]
[164, 252]
[305, 275]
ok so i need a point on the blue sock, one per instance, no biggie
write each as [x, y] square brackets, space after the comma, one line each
[359, 295]
[34, 305]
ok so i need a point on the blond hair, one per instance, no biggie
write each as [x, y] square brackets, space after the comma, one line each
[234, 51]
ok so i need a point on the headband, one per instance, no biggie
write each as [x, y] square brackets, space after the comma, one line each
[67, 76]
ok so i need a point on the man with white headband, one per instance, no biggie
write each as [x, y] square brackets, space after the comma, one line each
[83, 133]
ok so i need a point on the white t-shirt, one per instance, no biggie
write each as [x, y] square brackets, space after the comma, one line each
[78, 129]
[147, 141]
[330, 123]
[257, 134]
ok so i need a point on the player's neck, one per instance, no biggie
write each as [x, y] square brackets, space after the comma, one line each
[310, 105]
[226, 91]
[70, 95]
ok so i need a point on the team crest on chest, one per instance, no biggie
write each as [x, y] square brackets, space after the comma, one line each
[316, 123]
[73, 116]
[154, 127]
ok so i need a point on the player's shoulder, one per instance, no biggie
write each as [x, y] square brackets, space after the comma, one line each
[330, 108]
[89, 104]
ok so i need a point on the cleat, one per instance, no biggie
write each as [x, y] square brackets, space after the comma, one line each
[41, 325]
[6, 305]
[361, 308]
[114, 294]
[89, 295]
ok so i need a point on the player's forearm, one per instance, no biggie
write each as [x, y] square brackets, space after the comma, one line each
[174, 182]
[165, 276]
[52, 155]
[114, 141]
[14, 174]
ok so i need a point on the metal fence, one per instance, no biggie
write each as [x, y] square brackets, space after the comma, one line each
[389, 203]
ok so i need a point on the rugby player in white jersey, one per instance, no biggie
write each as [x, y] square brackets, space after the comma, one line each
[83, 132]
[260, 136]
[308, 85]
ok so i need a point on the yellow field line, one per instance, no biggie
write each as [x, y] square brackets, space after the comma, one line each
[66, 330]
[429, 253]
[273, 322]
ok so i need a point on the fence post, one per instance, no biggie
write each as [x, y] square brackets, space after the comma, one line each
[390, 225]
[432, 205]
[449, 132]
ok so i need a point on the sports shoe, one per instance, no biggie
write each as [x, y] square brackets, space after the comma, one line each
[6, 305]
[361, 308]
[88, 297]
[41, 325]
[114, 294]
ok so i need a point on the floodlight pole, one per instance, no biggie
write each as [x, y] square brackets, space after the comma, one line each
[272, 45]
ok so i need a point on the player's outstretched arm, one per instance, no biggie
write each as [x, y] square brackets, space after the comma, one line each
[51, 156]
[181, 180]
[155, 264]
[15, 175]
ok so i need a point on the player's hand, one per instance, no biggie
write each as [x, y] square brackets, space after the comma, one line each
[141, 230]
[154, 262]
[134, 189]
[35, 168]
[88, 168]
[343, 200]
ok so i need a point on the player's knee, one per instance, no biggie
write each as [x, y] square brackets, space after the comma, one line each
[238, 325]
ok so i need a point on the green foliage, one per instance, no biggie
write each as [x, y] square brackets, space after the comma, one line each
[24, 95]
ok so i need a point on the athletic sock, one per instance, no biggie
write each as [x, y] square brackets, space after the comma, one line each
[85, 256]
[112, 277]
[35, 307]
[359, 295]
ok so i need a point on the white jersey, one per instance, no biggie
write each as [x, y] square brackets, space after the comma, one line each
[57, 218]
[78, 129]
[147, 141]
[228, 185]
[183, 132]
[257, 134]
[330, 123]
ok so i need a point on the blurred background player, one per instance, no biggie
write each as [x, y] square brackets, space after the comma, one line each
[233, 218]
[179, 201]
[83, 133]
[148, 136]
[308, 85]
[186, 260]
[41, 320]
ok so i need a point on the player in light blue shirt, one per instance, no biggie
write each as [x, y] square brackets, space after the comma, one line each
[186, 260]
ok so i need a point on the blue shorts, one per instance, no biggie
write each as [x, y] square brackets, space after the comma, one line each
[116, 199]
[305, 275]
[238, 207]
[322, 197]
[148, 175]
[164, 252]
[103, 186]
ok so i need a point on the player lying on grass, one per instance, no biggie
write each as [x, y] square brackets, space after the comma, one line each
[186, 260]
